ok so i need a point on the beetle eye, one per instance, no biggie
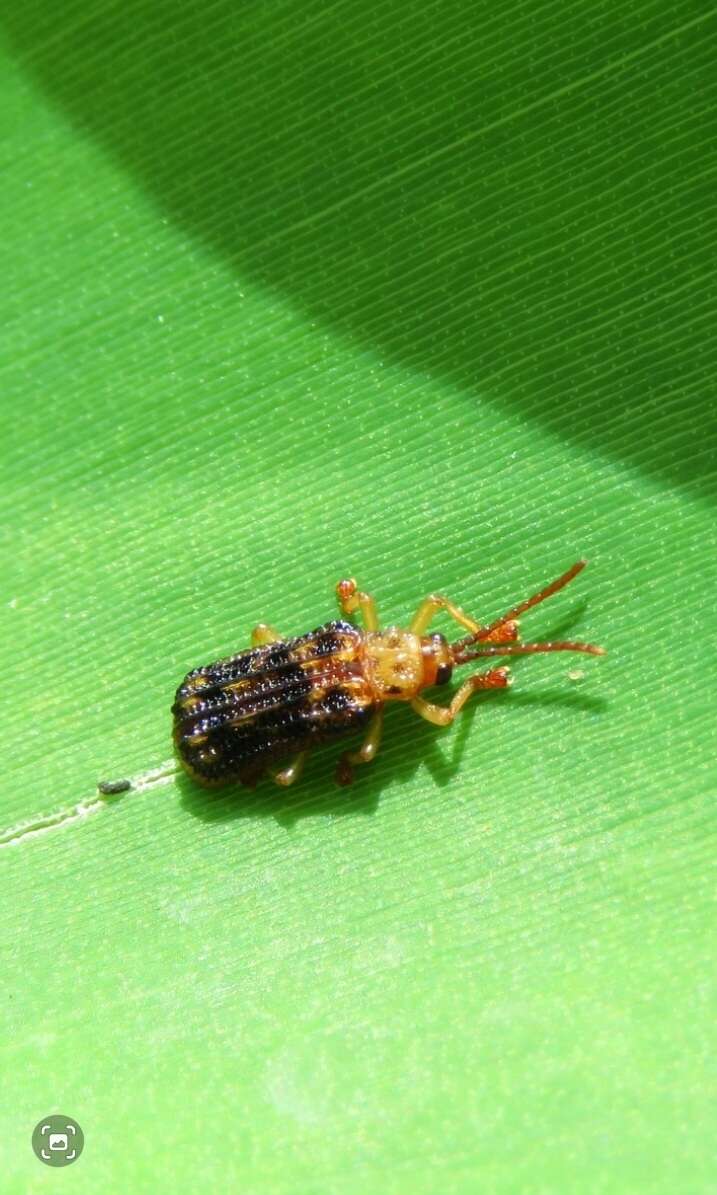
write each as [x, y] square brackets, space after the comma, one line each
[443, 674]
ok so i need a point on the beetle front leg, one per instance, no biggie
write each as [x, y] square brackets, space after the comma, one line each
[507, 632]
[366, 752]
[443, 715]
[291, 772]
[351, 599]
[263, 634]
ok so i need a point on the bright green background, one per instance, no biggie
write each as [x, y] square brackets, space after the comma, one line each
[422, 293]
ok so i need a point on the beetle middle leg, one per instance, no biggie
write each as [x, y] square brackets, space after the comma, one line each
[443, 715]
[506, 632]
[264, 634]
[366, 752]
[291, 772]
[351, 599]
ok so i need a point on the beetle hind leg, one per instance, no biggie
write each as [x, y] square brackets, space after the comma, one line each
[263, 634]
[443, 715]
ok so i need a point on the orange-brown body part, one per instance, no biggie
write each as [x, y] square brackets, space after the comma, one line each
[269, 705]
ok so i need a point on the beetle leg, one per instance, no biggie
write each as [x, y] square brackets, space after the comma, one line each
[291, 772]
[443, 715]
[366, 752]
[506, 632]
[430, 606]
[264, 634]
[352, 599]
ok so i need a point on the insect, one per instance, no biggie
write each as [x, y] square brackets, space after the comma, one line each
[264, 709]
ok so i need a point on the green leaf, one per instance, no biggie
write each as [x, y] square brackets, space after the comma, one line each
[421, 294]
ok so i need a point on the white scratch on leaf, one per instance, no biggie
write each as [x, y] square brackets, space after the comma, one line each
[45, 822]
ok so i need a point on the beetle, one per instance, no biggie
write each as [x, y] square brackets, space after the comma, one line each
[263, 709]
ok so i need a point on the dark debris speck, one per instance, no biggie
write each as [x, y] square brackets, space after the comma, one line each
[109, 788]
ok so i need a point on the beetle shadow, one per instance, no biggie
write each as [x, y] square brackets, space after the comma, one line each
[416, 744]
[317, 794]
[410, 743]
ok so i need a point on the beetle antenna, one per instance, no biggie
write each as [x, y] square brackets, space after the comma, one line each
[485, 633]
[526, 649]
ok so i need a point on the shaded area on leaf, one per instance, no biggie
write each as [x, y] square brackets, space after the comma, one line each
[518, 213]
